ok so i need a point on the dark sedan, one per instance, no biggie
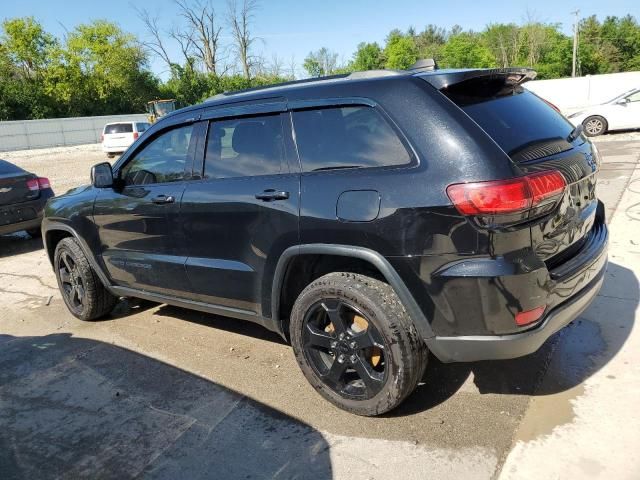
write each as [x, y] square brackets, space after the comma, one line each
[22, 199]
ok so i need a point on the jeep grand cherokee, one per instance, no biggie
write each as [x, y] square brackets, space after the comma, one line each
[368, 218]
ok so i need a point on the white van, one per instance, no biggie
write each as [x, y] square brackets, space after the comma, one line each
[117, 137]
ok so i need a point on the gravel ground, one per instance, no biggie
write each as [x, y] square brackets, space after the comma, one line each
[66, 386]
[65, 167]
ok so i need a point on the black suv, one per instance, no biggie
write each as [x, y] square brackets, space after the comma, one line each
[368, 218]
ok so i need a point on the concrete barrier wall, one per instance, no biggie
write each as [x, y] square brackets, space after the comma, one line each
[572, 94]
[27, 134]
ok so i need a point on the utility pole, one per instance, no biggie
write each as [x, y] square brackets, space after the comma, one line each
[575, 43]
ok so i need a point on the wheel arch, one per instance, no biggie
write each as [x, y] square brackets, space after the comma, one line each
[54, 232]
[364, 256]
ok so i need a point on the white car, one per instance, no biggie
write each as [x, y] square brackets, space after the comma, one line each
[623, 112]
[117, 137]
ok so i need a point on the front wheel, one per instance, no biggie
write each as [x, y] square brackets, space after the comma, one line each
[81, 289]
[594, 125]
[356, 344]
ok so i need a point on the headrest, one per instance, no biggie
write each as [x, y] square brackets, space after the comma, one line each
[252, 137]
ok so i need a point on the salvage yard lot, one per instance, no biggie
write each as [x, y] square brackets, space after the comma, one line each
[165, 392]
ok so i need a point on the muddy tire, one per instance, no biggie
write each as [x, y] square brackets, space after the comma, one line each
[81, 289]
[356, 344]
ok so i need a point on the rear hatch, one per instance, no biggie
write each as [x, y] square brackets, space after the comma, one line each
[13, 185]
[118, 135]
[537, 138]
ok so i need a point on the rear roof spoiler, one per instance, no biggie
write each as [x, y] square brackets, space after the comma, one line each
[441, 79]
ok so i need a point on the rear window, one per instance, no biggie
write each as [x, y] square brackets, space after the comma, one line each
[245, 147]
[118, 128]
[347, 137]
[7, 168]
[513, 117]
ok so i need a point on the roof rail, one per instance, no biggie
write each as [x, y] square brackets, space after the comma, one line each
[329, 78]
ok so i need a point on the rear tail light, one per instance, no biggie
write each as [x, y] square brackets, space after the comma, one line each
[506, 196]
[530, 316]
[35, 184]
[135, 135]
[32, 184]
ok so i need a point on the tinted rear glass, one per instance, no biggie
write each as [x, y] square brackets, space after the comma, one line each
[118, 128]
[515, 118]
[245, 147]
[346, 137]
[141, 127]
[7, 168]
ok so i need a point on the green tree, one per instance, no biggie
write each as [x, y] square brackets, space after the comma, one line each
[466, 50]
[101, 70]
[505, 43]
[368, 56]
[321, 62]
[25, 50]
[400, 51]
[430, 41]
[27, 45]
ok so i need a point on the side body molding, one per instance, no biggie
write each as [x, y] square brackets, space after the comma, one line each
[378, 261]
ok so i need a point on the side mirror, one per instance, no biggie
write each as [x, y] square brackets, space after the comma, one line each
[102, 175]
[623, 101]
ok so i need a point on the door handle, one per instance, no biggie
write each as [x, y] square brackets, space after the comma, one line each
[162, 199]
[271, 194]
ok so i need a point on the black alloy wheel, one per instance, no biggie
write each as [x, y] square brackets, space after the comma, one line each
[345, 350]
[71, 281]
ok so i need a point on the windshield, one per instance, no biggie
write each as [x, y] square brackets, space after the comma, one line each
[628, 92]
[164, 108]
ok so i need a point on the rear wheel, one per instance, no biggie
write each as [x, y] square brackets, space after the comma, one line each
[81, 289]
[594, 125]
[111, 155]
[356, 344]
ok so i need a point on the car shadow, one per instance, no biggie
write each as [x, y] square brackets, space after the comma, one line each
[17, 243]
[73, 407]
[566, 360]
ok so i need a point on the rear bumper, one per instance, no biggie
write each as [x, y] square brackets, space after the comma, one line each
[115, 148]
[17, 227]
[577, 281]
[33, 211]
[500, 347]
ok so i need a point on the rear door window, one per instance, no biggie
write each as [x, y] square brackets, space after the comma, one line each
[346, 137]
[245, 147]
[141, 127]
[513, 117]
[118, 128]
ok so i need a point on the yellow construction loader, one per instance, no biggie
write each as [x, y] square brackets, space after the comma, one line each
[159, 108]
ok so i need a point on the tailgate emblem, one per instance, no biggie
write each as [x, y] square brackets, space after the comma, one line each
[6, 189]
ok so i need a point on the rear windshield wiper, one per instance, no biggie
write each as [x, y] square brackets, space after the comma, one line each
[575, 133]
[336, 167]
